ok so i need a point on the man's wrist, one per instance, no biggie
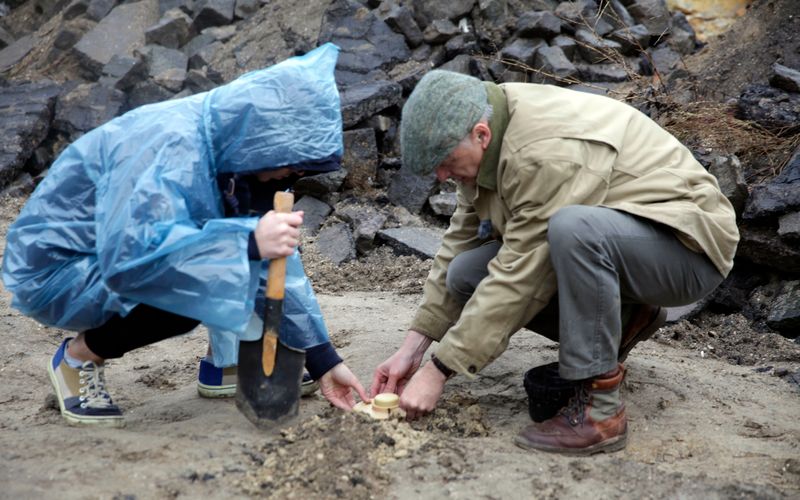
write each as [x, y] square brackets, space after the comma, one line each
[443, 368]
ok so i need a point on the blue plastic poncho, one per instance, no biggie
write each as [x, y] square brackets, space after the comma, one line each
[130, 213]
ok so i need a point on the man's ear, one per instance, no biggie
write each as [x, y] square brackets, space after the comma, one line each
[483, 134]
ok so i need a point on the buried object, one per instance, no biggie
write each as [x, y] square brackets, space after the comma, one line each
[547, 391]
[382, 407]
[270, 373]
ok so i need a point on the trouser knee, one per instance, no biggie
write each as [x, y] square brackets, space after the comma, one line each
[572, 227]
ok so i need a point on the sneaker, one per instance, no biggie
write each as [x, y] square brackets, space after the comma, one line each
[213, 382]
[644, 322]
[81, 392]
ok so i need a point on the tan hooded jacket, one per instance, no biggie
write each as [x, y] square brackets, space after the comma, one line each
[552, 147]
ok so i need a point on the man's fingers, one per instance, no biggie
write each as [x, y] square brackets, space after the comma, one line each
[377, 383]
[391, 385]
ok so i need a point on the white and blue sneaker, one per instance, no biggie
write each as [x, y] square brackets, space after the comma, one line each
[81, 392]
[213, 382]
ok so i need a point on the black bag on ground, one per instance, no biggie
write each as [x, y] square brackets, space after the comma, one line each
[547, 391]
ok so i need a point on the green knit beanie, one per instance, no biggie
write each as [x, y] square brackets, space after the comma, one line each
[439, 114]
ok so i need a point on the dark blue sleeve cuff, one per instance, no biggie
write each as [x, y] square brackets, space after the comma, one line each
[320, 359]
[252, 247]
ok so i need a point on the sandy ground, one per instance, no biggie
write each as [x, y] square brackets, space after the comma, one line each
[699, 428]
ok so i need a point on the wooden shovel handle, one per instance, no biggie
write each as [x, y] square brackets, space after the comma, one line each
[276, 283]
[276, 286]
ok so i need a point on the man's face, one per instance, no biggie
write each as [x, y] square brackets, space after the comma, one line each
[463, 163]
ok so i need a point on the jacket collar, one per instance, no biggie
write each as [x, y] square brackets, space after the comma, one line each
[487, 172]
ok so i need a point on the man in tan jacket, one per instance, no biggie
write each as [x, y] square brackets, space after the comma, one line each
[569, 206]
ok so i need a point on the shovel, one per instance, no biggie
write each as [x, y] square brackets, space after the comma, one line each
[270, 372]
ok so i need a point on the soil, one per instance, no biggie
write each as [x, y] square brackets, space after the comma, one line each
[712, 403]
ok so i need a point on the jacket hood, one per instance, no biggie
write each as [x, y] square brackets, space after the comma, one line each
[284, 115]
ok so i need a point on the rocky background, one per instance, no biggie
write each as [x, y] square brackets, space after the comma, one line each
[69, 66]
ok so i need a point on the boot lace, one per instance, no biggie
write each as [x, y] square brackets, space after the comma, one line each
[93, 386]
[574, 411]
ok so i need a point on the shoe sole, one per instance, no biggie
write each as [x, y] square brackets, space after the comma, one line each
[658, 321]
[608, 446]
[229, 391]
[80, 419]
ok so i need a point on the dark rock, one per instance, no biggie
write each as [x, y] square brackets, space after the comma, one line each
[733, 294]
[464, 44]
[67, 37]
[197, 81]
[315, 212]
[633, 39]
[86, 107]
[210, 13]
[784, 315]
[98, 9]
[523, 50]
[321, 185]
[119, 33]
[617, 15]
[777, 196]
[246, 8]
[538, 25]
[668, 63]
[365, 221]
[775, 109]
[577, 13]
[75, 9]
[400, 19]
[22, 186]
[789, 226]
[15, 52]
[468, 66]
[147, 92]
[361, 101]
[439, 31]
[336, 243]
[410, 191]
[123, 72]
[26, 111]
[681, 34]
[172, 31]
[409, 74]
[554, 65]
[187, 6]
[762, 246]
[595, 49]
[45, 9]
[201, 57]
[603, 72]
[443, 203]
[729, 174]
[360, 158]
[6, 38]
[785, 78]
[420, 241]
[567, 45]
[425, 11]
[167, 67]
[652, 13]
[366, 42]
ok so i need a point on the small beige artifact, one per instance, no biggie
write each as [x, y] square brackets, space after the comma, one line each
[382, 407]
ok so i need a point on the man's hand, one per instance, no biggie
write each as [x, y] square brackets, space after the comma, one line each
[423, 392]
[337, 385]
[393, 374]
[277, 234]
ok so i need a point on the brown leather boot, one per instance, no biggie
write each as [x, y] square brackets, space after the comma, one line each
[592, 422]
[644, 322]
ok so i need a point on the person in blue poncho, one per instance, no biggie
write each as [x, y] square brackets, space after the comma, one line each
[149, 225]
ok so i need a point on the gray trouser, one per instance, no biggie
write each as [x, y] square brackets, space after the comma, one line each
[602, 259]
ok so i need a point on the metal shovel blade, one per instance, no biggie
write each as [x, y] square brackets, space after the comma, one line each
[269, 401]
